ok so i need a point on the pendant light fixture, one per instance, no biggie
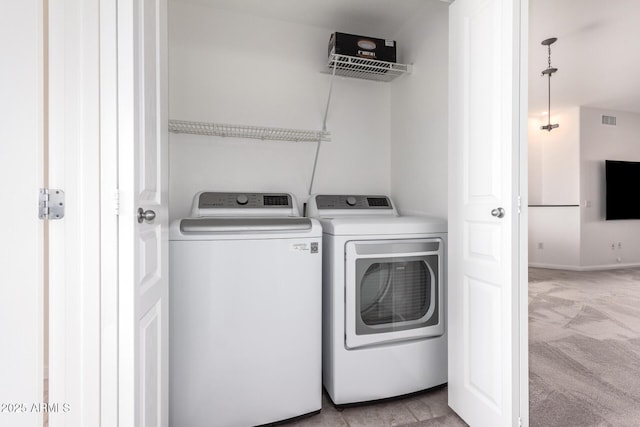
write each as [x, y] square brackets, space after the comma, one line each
[548, 72]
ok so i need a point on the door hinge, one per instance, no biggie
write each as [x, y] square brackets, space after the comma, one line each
[51, 203]
[519, 422]
[519, 204]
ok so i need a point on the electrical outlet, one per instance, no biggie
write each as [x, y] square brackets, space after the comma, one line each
[540, 245]
[619, 245]
[613, 246]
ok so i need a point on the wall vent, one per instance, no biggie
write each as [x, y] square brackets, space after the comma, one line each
[609, 120]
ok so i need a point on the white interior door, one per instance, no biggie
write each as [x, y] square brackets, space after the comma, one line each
[143, 257]
[21, 233]
[486, 99]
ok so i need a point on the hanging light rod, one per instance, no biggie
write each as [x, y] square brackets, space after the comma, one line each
[549, 72]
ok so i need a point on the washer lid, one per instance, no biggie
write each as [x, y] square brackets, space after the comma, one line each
[241, 225]
[244, 228]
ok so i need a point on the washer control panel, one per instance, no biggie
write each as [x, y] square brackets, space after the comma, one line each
[352, 202]
[210, 200]
[209, 203]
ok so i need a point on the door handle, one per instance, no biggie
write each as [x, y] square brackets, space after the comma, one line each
[498, 212]
[147, 216]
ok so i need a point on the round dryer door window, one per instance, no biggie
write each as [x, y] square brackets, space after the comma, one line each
[393, 291]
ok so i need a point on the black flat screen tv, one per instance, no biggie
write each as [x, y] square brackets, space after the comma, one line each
[622, 194]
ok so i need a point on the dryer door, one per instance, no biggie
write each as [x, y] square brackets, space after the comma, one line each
[393, 291]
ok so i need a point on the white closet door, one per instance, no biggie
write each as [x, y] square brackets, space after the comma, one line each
[143, 175]
[484, 221]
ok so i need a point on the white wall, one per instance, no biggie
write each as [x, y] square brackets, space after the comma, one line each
[554, 237]
[599, 143]
[22, 233]
[569, 169]
[554, 179]
[534, 158]
[240, 69]
[554, 160]
[387, 138]
[419, 104]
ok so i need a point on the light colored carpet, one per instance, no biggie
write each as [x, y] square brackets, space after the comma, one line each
[584, 348]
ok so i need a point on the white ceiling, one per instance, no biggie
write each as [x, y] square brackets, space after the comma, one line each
[597, 53]
[375, 18]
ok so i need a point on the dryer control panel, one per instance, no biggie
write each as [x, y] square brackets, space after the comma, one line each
[352, 202]
[331, 205]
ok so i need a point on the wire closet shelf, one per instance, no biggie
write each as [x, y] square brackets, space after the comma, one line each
[368, 69]
[251, 132]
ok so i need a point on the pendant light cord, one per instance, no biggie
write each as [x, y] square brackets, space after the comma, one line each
[549, 71]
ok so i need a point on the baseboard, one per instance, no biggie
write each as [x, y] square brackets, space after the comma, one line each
[584, 268]
[554, 266]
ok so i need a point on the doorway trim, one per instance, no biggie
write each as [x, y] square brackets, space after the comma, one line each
[74, 241]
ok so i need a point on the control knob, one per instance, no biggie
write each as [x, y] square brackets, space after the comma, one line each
[351, 201]
[242, 199]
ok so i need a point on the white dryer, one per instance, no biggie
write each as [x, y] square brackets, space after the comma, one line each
[384, 299]
[245, 312]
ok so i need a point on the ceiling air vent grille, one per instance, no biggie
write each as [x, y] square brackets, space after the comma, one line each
[609, 120]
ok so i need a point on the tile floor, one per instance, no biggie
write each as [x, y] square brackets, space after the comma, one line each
[428, 408]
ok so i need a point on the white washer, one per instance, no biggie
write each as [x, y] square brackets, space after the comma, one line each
[384, 299]
[245, 312]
